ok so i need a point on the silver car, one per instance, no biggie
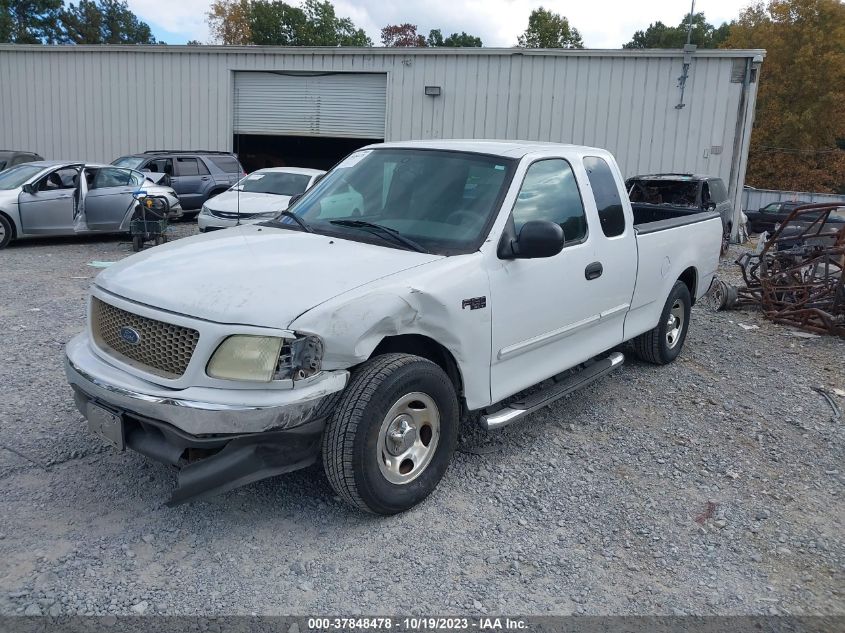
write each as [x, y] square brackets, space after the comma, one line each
[68, 198]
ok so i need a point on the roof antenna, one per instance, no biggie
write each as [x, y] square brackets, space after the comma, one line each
[237, 154]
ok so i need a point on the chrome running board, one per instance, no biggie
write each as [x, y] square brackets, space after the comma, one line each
[516, 410]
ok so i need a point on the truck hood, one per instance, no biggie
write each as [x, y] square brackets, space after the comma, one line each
[252, 275]
[250, 202]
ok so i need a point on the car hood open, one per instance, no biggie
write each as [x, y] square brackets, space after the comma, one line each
[252, 275]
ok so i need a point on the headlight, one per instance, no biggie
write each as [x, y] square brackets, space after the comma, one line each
[266, 358]
[205, 210]
[246, 357]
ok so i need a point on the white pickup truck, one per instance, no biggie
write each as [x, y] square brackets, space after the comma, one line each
[467, 272]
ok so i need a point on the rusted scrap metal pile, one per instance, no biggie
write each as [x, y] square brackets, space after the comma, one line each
[796, 275]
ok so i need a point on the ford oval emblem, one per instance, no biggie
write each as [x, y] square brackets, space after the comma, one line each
[129, 335]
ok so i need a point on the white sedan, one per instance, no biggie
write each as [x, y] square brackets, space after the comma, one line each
[68, 198]
[257, 197]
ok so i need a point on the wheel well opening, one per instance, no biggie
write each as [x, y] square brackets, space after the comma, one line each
[425, 347]
[690, 279]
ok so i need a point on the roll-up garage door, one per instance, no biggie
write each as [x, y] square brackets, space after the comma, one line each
[327, 104]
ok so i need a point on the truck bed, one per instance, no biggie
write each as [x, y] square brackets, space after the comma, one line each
[671, 240]
[649, 218]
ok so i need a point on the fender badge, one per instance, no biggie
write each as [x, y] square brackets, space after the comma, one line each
[475, 303]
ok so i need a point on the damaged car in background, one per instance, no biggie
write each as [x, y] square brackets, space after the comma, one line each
[51, 198]
[364, 327]
[689, 191]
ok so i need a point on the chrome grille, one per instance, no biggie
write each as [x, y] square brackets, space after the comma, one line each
[226, 215]
[162, 348]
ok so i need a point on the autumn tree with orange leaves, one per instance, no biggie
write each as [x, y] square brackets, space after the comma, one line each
[798, 140]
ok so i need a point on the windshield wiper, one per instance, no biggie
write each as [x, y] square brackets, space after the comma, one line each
[305, 226]
[396, 235]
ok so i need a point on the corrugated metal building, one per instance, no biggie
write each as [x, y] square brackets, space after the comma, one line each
[311, 106]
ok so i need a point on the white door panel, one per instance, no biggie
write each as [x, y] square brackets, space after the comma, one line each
[553, 313]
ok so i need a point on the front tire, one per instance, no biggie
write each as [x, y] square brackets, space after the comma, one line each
[663, 344]
[137, 243]
[6, 231]
[391, 437]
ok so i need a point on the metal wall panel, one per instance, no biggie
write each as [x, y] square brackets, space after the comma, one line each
[347, 104]
[98, 103]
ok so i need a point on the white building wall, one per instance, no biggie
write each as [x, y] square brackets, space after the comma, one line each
[97, 103]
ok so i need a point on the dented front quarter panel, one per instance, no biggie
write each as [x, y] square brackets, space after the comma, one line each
[432, 300]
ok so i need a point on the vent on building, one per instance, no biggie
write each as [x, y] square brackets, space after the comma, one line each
[715, 149]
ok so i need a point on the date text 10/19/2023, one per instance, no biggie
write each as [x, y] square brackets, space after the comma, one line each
[420, 623]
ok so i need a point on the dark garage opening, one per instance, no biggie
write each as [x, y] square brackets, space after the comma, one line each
[259, 151]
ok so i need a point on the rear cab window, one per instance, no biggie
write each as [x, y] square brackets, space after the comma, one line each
[606, 194]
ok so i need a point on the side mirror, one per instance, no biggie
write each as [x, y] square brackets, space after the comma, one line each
[29, 188]
[710, 206]
[538, 238]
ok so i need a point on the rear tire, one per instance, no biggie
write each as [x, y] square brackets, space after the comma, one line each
[6, 231]
[663, 344]
[392, 434]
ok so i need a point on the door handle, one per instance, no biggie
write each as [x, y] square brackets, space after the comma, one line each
[204, 178]
[593, 271]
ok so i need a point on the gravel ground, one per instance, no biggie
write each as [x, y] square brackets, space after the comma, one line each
[712, 486]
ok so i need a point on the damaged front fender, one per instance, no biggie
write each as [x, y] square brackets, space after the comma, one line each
[436, 303]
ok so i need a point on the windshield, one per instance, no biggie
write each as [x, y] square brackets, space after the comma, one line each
[16, 176]
[442, 200]
[132, 162]
[275, 182]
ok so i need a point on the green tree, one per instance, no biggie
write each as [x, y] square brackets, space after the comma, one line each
[82, 23]
[277, 23]
[121, 26]
[273, 23]
[324, 28]
[549, 30]
[455, 40]
[435, 38]
[102, 22]
[462, 40]
[658, 35]
[29, 21]
[797, 139]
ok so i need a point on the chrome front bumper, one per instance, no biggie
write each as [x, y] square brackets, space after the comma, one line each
[195, 410]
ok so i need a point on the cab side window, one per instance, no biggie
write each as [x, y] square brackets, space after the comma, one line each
[550, 192]
[606, 193]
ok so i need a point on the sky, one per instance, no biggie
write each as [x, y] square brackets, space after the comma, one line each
[602, 23]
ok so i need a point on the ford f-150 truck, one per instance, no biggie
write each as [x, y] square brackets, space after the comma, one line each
[467, 272]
